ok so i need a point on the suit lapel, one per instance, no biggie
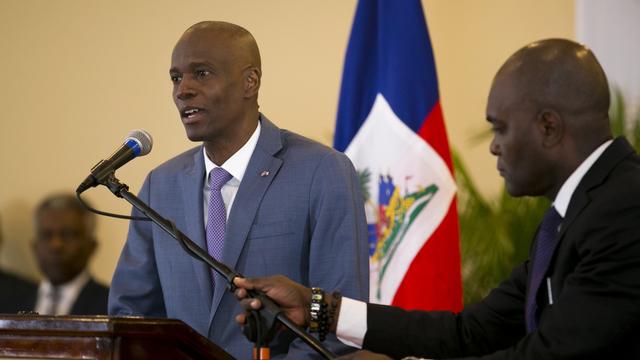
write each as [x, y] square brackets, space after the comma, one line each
[609, 159]
[192, 182]
[261, 171]
[595, 176]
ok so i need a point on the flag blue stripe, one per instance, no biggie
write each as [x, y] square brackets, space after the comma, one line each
[389, 52]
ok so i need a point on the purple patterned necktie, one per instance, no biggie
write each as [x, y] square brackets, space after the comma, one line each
[546, 241]
[217, 216]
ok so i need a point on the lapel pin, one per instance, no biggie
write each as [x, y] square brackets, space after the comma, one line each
[264, 173]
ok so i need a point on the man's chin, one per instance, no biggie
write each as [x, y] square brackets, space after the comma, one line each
[60, 279]
[513, 190]
[194, 135]
[517, 192]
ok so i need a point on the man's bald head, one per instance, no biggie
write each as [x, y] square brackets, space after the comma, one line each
[559, 73]
[563, 76]
[238, 38]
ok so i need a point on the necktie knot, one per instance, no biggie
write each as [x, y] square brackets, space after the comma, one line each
[551, 222]
[218, 177]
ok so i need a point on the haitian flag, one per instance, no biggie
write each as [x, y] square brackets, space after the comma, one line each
[391, 126]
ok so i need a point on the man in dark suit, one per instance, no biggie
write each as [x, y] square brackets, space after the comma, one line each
[64, 243]
[14, 291]
[260, 199]
[578, 297]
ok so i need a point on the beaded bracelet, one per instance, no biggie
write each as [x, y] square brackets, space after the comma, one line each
[319, 316]
[336, 298]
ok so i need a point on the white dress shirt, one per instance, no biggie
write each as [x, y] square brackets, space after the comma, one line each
[352, 320]
[67, 295]
[561, 202]
[236, 165]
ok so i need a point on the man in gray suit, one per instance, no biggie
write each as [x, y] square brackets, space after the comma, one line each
[289, 205]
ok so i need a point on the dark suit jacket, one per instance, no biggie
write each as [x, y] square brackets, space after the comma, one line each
[298, 212]
[15, 293]
[92, 299]
[595, 281]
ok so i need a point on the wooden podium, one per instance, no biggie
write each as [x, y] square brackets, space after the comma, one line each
[102, 337]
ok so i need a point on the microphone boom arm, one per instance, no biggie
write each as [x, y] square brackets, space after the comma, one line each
[266, 316]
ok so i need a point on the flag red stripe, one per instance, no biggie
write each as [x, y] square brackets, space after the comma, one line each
[433, 280]
[434, 133]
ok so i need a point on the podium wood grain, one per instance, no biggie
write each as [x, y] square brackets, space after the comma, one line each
[102, 337]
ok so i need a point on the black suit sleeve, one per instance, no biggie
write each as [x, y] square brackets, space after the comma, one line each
[495, 323]
[596, 316]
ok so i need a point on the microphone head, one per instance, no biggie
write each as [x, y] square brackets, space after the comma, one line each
[142, 139]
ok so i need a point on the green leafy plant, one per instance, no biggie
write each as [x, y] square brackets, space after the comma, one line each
[496, 234]
[622, 121]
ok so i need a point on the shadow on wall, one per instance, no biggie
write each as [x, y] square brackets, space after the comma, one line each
[16, 218]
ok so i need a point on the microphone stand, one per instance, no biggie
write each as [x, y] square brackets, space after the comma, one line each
[261, 323]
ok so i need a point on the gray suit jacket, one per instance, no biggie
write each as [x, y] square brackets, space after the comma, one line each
[304, 220]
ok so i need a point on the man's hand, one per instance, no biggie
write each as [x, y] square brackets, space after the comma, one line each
[292, 297]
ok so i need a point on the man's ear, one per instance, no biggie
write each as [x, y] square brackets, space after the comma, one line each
[551, 126]
[252, 77]
[92, 246]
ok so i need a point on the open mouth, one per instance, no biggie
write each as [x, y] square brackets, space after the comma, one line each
[190, 112]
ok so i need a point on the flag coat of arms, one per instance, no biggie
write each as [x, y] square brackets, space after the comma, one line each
[391, 126]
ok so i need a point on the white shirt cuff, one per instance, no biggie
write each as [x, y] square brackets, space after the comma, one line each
[352, 322]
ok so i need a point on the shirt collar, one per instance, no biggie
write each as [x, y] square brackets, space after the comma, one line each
[74, 285]
[237, 164]
[561, 202]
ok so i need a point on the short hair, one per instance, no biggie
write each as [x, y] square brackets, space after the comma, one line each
[67, 201]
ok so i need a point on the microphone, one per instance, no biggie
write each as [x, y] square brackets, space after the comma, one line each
[137, 143]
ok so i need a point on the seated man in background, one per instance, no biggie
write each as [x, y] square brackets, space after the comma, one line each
[64, 243]
[14, 291]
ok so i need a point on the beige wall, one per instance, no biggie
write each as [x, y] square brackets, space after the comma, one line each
[78, 75]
